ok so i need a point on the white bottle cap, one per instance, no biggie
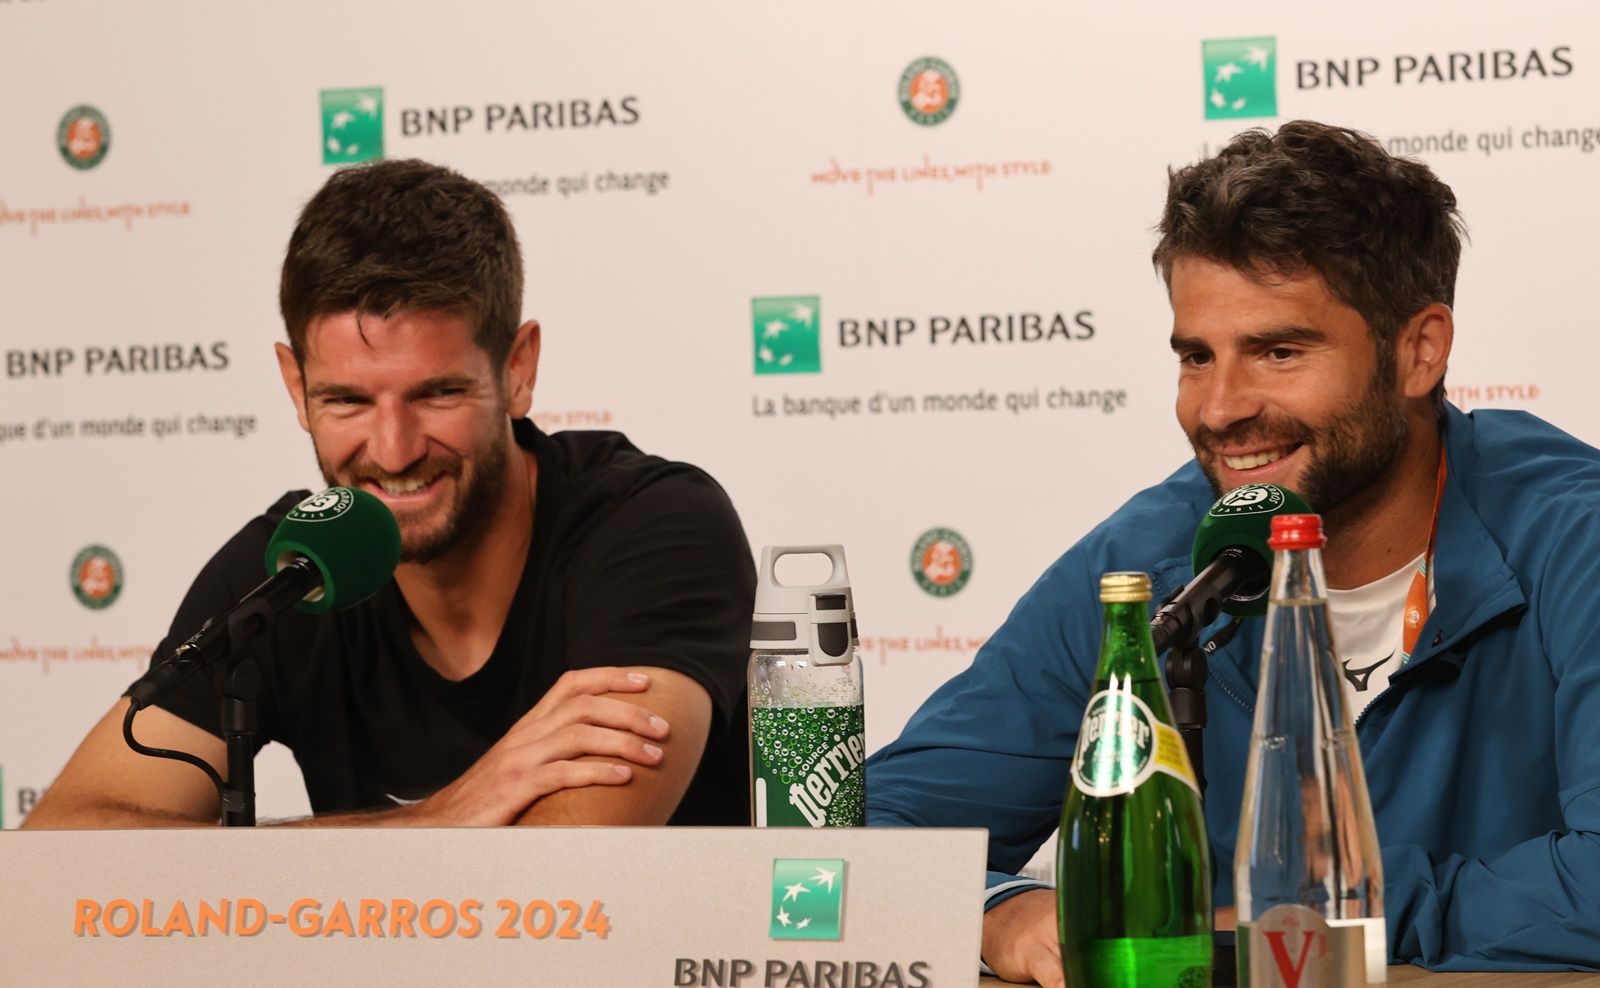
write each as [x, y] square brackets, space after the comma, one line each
[818, 619]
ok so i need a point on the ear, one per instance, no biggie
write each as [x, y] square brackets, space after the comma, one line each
[1422, 349]
[522, 369]
[294, 380]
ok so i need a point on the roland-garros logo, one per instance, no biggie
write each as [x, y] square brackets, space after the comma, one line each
[323, 505]
[941, 562]
[929, 91]
[96, 576]
[1251, 499]
[83, 137]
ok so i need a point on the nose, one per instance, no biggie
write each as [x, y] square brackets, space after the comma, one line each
[1230, 395]
[397, 440]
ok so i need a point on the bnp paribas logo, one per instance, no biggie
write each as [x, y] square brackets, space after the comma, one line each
[352, 125]
[1241, 77]
[807, 899]
[788, 334]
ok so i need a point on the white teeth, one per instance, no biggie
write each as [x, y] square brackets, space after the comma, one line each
[399, 487]
[1254, 460]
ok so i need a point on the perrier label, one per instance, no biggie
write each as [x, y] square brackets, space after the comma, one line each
[808, 766]
[1133, 867]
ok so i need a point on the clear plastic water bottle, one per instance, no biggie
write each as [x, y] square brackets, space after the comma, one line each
[1308, 878]
[807, 728]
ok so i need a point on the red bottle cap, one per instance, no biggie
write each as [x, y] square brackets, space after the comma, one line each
[1297, 532]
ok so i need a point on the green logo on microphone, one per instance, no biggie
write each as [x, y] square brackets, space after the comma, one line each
[323, 505]
[1251, 499]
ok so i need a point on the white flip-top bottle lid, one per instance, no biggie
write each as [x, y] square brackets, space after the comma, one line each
[820, 619]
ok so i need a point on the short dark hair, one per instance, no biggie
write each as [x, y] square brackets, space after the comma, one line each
[396, 236]
[1381, 230]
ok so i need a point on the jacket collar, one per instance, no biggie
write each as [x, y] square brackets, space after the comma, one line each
[1472, 581]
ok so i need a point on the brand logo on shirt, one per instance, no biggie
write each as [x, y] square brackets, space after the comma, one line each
[96, 577]
[352, 125]
[83, 137]
[1241, 77]
[929, 91]
[788, 334]
[941, 562]
[807, 899]
[1251, 499]
[323, 505]
[1360, 677]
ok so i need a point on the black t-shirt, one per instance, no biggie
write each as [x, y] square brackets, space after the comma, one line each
[635, 561]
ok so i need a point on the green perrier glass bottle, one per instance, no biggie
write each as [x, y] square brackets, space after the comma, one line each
[1133, 868]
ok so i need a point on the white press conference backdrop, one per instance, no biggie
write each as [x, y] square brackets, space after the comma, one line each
[882, 269]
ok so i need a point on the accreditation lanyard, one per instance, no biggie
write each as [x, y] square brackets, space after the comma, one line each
[1417, 608]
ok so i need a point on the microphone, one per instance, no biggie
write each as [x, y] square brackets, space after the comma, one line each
[334, 549]
[1232, 562]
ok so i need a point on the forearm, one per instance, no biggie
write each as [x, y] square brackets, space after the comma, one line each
[104, 814]
[647, 799]
[1529, 908]
[396, 816]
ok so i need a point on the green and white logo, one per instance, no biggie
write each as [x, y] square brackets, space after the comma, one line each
[323, 505]
[788, 334]
[83, 137]
[807, 899]
[1251, 499]
[929, 91]
[352, 125]
[941, 562]
[1116, 745]
[1241, 77]
[96, 577]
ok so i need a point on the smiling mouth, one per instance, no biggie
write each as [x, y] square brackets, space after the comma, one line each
[1251, 461]
[402, 486]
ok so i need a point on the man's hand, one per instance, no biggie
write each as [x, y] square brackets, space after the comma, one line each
[542, 751]
[1020, 939]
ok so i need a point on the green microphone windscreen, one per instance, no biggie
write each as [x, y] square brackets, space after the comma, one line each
[1243, 518]
[349, 535]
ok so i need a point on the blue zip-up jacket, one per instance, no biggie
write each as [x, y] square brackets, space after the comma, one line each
[1482, 757]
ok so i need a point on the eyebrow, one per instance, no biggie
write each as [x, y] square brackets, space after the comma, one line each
[323, 392]
[1264, 338]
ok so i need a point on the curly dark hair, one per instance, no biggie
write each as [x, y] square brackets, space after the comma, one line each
[396, 236]
[1382, 231]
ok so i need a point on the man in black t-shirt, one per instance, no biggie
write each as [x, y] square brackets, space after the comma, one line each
[564, 640]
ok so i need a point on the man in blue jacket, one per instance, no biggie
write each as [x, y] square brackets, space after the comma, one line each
[1311, 277]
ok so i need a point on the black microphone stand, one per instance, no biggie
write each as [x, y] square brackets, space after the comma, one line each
[1188, 665]
[239, 685]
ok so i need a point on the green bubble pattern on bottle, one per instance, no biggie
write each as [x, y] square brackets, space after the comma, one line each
[808, 762]
[1133, 869]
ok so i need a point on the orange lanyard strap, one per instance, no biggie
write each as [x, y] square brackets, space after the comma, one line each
[1417, 608]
